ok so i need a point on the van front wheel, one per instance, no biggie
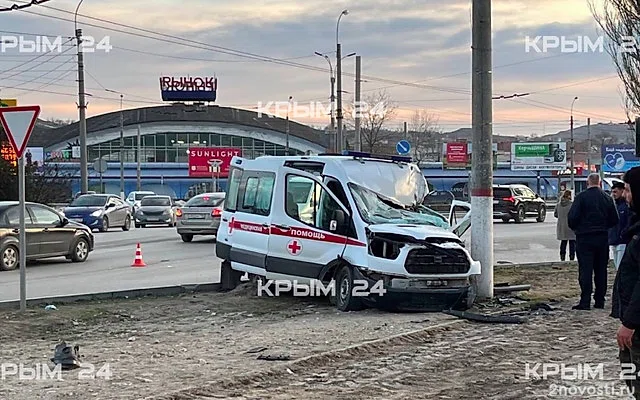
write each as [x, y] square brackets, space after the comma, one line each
[343, 294]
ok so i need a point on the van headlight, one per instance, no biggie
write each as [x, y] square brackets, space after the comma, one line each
[96, 213]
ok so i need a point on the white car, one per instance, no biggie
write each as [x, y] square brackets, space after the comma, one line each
[355, 222]
[133, 199]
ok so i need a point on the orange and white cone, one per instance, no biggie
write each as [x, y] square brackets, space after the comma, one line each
[138, 262]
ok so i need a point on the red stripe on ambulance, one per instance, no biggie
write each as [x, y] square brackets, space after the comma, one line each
[294, 232]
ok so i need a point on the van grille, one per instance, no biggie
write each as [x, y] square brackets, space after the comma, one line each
[432, 261]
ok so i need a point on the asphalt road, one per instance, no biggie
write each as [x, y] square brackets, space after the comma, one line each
[108, 268]
[172, 262]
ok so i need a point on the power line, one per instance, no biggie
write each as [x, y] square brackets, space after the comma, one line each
[33, 59]
[23, 6]
[225, 50]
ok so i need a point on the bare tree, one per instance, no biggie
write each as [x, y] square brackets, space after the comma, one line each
[422, 134]
[620, 22]
[376, 111]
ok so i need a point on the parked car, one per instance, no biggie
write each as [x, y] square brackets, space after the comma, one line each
[134, 198]
[517, 202]
[155, 210]
[100, 211]
[78, 194]
[200, 216]
[49, 234]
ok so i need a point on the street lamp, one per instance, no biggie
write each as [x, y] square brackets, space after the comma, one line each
[288, 109]
[333, 96]
[121, 153]
[339, 140]
[82, 107]
[573, 151]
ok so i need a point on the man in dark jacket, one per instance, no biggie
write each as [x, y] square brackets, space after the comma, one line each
[591, 216]
[627, 288]
[616, 234]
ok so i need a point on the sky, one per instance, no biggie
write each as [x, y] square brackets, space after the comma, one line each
[417, 51]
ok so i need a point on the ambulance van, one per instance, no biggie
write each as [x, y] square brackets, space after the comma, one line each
[355, 223]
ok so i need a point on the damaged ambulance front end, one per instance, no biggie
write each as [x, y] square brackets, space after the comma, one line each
[415, 251]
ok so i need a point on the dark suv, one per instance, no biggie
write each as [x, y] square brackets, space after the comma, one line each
[517, 202]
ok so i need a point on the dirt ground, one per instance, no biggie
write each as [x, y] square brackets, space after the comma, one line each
[207, 346]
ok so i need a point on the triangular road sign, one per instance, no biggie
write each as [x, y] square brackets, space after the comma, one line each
[18, 122]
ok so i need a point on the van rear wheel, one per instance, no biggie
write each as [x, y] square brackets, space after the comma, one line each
[343, 297]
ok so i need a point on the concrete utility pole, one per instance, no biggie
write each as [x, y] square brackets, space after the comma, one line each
[82, 107]
[339, 138]
[482, 162]
[358, 109]
[573, 152]
[589, 144]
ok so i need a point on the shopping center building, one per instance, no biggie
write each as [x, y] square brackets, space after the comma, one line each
[157, 143]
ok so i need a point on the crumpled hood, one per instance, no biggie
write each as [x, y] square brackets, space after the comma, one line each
[402, 183]
[419, 232]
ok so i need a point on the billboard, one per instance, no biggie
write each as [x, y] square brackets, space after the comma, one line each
[458, 155]
[530, 156]
[199, 160]
[34, 155]
[619, 157]
[188, 88]
[8, 102]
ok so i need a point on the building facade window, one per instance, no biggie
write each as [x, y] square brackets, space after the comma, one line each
[172, 148]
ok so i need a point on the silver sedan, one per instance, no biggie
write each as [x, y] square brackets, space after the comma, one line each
[200, 215]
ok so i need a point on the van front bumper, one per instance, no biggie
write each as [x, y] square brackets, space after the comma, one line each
[423, 299]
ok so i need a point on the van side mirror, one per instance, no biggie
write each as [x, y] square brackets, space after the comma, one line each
[338, 220]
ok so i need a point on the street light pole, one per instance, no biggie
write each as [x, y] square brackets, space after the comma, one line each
[121, 156]
[287, 129]
[82, 109]
[573, 151]
[332, 95]
[339, 138]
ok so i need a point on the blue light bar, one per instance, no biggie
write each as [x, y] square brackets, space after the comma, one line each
[359, 154]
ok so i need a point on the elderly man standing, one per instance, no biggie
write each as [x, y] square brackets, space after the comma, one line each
[591, 216]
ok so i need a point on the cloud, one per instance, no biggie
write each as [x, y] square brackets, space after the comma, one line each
[424, 41]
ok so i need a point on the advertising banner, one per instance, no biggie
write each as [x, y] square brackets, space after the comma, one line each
[188, 88]
[458, 155]
[619, 157]
[199, 157]
[548, 156]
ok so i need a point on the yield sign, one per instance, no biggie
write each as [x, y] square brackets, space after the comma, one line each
[18, 122]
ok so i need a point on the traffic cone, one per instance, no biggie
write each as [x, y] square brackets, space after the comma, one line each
[138, 262]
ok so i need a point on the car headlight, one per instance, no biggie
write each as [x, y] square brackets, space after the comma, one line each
[96, 213]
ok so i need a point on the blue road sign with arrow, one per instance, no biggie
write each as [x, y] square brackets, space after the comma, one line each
[403, 147]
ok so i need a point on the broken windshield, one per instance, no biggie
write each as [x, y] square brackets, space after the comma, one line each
[376, 209]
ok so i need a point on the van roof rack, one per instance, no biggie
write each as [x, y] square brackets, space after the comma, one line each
[360, 154]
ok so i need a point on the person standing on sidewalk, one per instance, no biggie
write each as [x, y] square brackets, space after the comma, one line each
[617, 239]
[564, 234]
[626, 296]
[591, 216]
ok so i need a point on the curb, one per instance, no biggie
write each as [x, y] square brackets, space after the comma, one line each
[545, 264]
[122, 294]
[195, 288]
